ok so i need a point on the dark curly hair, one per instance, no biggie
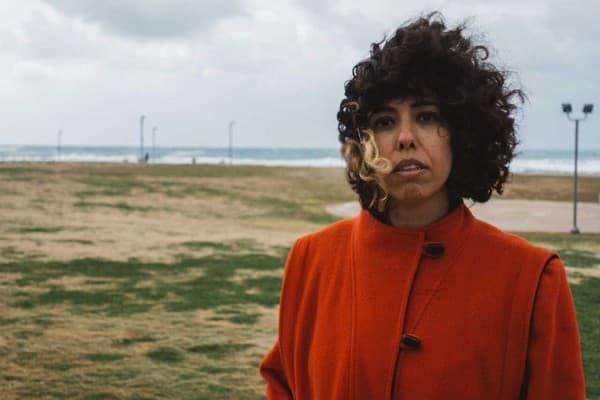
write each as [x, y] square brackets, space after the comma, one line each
[422, 59]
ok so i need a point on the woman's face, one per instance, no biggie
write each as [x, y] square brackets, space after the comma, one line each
[410, 135]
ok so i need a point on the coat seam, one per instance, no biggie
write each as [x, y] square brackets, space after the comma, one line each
[451, 264]
[530, 306]
[402, 320]
[531, 309]
[281, 313]
[352, 346]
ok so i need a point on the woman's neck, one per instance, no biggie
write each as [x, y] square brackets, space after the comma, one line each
[417, 215]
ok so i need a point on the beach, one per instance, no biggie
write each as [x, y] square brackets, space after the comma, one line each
[122, 280]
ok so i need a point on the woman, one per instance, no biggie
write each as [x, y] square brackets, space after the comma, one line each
[415, 298]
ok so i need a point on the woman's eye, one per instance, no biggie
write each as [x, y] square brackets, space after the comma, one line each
[428, 117]
[382, 122]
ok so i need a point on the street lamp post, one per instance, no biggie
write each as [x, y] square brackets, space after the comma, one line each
[231, 124]
[567, 109]
[142, 118]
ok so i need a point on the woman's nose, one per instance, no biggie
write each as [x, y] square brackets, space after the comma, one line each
[406, 135]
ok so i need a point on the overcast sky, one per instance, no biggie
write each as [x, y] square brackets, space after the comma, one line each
[276, 67]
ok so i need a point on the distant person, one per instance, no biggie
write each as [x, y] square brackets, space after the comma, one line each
[415, 298]
[146, 158]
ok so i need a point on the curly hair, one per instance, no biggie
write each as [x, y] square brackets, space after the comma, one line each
[425, 59]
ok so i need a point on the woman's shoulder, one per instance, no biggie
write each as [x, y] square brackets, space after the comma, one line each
[507, 242]
[335, 233]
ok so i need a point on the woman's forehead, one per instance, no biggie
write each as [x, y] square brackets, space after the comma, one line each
[412, 101]
[409, 101]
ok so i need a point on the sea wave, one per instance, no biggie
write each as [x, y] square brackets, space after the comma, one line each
[555, 166]
[526, 162]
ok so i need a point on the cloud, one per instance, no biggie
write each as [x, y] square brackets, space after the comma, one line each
[150, 18]
[276, 67]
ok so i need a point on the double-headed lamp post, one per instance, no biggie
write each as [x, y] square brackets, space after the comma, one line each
[567, 109]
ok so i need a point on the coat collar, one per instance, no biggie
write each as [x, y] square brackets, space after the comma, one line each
[373, 238]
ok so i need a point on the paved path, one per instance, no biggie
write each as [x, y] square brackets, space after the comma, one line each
[519, 215]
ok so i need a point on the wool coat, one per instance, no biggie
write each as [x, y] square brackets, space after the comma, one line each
[455, 310]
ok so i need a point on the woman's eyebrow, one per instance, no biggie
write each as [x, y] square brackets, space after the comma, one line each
[381, 109]
[424, 102]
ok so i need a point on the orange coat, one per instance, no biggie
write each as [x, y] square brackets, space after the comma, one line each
[369, 312]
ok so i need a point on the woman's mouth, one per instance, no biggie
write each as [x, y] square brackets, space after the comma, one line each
[409, 168]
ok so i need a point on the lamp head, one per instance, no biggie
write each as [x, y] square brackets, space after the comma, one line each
[588, 108]
[566, 107]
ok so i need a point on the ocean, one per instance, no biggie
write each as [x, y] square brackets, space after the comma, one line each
[555, 162]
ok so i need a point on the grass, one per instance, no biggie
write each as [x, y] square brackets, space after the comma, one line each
[587, 304]
[104, 357]
[557, 188]
[36, 229]
[215, 288]
[159, 286]
[218, 350]
[122, 206]
[134, 340]
[165, 355]
[186, 310]
[569, 247]
[77, 241]
[60, 367]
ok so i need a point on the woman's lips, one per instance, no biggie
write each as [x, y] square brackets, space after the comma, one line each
[409, 168]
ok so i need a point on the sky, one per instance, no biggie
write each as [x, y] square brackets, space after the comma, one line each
[276, 67]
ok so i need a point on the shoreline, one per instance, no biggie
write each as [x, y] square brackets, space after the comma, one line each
[256, 165]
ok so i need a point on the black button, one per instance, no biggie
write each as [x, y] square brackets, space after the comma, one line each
[411, 341]
[434, 249]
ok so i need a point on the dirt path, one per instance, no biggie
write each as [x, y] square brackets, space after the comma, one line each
[519, 215]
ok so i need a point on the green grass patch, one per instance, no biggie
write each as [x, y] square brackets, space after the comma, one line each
[234, 246]
[219, 350]
[78, 297]
[201, 245]
[101, 396]
[166, 355]
[215, 288]
[112, 182]
[76, 241]
[134, 340]
[8, 321]
[60, 367]
[587, 304]
[565, 245]
[121, 206]
[37, 271]
[104, 357]
[36, 229]
[561, 240]
[245, 319]
[200, 190]
[42, 320]
[579, 258]
[213, 370]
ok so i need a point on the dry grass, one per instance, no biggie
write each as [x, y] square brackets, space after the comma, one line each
[101, 267]
[556, 188]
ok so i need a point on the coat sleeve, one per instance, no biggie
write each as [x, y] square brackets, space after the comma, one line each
[554, 367]
[273, 368]
[272, 371]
